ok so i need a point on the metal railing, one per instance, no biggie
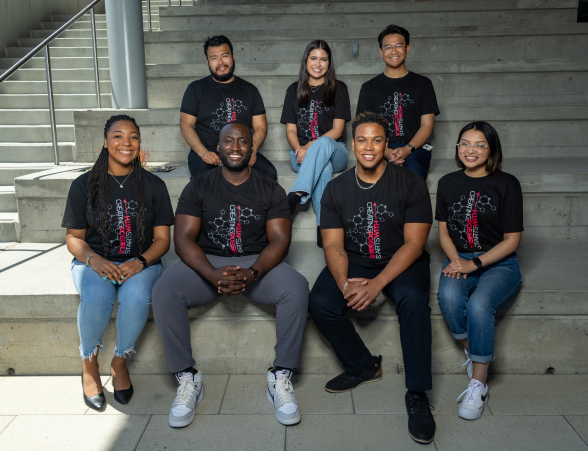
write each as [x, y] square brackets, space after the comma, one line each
[169, 3]
[45, 45]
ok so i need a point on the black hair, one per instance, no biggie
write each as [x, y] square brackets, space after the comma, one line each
[369, 118]
[494, 162]
[216, 41]
[97, 188]
[394, 29]
[330, 83]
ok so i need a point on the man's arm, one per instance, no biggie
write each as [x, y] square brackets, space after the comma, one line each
[420, 138]
[259, 133]
[187, 124]
[335, 255]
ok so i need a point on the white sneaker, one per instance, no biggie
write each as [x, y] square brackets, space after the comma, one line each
[474, 400]
[280, 394]
[468, 362]
[189, 395]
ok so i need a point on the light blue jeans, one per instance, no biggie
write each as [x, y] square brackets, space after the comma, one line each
[323, 157]
[469, 305]
[97, 298]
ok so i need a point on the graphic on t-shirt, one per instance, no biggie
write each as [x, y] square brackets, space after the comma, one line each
[308, 119]
[393, 110]
[227, 232]
[227, 112]
[463, 217]
[120, 225]
[366, 228]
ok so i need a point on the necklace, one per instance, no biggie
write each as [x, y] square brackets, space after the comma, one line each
[363, 187]
[316, 88]
[119, 183]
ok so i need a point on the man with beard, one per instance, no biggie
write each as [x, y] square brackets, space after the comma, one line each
[375, 220]
[216, 100]
[232, 231]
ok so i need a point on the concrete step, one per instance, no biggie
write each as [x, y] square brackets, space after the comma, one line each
[7, 199]
[85, 41]
[542, 327]
[34, 133]
[9, 227]
[23, 152]
[81, 34]
[59, 87]
[58, 52]
[76, 74]
[34, 117]
[56, 63]
[85, 25]
[68, 101]
[10, 171]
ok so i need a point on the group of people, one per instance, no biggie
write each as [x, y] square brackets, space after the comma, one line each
[233, 229]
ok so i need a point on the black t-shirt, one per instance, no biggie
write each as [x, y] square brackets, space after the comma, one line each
[373, 219]
[478, 211]
[400, 100]
[233, 217]
[122, 206]
[215, 104]
[315, 119]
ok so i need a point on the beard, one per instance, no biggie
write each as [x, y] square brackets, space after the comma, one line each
[371, 168]
[232, 166]
[223, 77]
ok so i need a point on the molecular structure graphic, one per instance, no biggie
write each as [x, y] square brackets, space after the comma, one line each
[225, 111]
[458, 211]
[305, 117]
[220, 230]
[131, 207]
[359, 230]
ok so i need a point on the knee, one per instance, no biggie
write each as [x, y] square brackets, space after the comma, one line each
[298, 290]
[320, 306]
[412, 300]
[480, 309]
[160, 293]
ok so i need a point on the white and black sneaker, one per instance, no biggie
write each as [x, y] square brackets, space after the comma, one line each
[280, 394]
[189, 395]
[474, 400]
[469, 364]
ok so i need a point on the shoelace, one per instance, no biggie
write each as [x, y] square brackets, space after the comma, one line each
[284, 390]
[471, 392]
[420, 405]
[185, 391]
[467, 361]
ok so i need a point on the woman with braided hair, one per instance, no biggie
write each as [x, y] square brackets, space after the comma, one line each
[118, 219]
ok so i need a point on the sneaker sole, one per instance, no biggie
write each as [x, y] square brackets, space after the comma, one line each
[184, 423]
[284, 422]
[376, 378]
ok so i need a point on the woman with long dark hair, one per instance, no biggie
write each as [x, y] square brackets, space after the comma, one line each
[315, 111]
[118, 218]
[480, 214]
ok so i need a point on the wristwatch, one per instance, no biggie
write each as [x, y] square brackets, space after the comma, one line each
[143, 261]
[477, 262]
[255, 273]
[411, 147]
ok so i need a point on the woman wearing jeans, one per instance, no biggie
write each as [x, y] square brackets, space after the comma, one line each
[480, 214]
[118, 219]
[315, 111]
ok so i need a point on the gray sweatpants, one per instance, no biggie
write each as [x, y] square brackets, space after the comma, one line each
[181, 288]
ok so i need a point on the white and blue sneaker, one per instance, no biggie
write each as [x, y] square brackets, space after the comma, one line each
[188, 396]
[475, 398]
[468, 362]
[280, 394]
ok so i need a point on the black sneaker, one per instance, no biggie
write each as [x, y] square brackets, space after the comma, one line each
[344, 382]
[293, 200]
[421, 424]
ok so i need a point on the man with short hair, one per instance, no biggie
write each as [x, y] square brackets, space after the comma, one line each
[232, 231]
[216, 100]
[375, 220]
[407, 100]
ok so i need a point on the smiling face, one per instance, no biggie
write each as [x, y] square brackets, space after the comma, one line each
[221, 62]
[317, 65]
[369, 145]
[393, 55]
[471, 160]
[234, 146]
[123, 143]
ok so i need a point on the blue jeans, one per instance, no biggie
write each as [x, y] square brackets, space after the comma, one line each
[419, 160]
[97, 301]
[323, 157]
[469, 305]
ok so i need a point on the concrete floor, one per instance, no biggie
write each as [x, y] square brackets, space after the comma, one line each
[524, 413]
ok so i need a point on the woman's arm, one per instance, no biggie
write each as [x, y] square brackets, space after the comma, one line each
[335, 133]
[160, 245]
[447, 243]
[75, 240]
[292, 136]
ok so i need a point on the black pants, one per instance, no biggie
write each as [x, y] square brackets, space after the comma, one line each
[409, 291]
[199, 167]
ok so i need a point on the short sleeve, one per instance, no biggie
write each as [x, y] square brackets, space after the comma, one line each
[288, 112]
[418, 203]
[279, 207]
[190, 202]
[190, 101]
[74, 216]
[511, 214]
[440, 208]
[257, 107]
[363, 103]
[164, 213]
[429, 101]
[342, 106]
[329, 217]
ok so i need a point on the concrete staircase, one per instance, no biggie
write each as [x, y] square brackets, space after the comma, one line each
[524, 69]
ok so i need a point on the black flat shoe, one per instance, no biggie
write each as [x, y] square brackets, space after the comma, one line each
[97, 403]
[421, 424]
[344, 382]
[293, 200]
[123, 396]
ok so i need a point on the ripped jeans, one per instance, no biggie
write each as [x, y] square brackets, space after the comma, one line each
[97, 298]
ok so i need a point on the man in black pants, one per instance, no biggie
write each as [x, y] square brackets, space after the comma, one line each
[407, 100]
[375, 221]
[212, 102]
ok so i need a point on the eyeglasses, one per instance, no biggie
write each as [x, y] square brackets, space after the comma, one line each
[389, 48]
[479, 148]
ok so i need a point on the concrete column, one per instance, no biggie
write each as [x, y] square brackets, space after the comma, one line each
[126, 53]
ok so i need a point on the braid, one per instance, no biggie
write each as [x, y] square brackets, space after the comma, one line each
[140, 199]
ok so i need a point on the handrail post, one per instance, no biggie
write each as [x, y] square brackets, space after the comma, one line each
[51, 105]
[95, 50]
[168, 2]
[149, 14]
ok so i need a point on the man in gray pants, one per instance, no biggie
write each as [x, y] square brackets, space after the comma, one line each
[232, 231]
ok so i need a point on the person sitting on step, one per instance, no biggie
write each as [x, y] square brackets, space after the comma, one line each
[375, 220]
[232, 231]
[480, 214]
[118, 218]
[406, 99]
[315, 111]
[216, 100]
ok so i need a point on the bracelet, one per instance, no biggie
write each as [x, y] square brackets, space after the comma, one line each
[344, 286]
[88, 260]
